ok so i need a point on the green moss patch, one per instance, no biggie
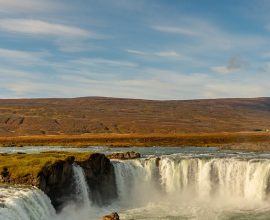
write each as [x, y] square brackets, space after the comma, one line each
[22, 165]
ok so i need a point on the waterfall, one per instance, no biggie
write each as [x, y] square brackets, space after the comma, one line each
[226, 177]
[33, 204]
[189, 186]
[82, 189]
[24, 204]
[135, 179]
[206, 177]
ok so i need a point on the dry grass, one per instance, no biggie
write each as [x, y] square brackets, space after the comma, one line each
[224, 139]
[125, 122]
[110, 115]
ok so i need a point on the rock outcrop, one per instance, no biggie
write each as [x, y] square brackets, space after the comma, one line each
[57, 182]
[125, 156]
[113, 216]
[100, 176]
[5, 175]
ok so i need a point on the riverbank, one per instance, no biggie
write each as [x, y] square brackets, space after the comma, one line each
[255, 141]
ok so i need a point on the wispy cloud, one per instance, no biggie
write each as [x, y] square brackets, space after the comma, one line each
[169, 54]
[206, 35]
[27, 6]
[68, 38]
[149, 83]
[12, 74]
[177, 30]
[38, 27]
[25, 58]
[100, 61]
[137, 52]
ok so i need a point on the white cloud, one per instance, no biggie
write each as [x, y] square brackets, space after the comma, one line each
[208, 36]
[177, 30]
[149, 83]
[137, 52]
[168, 54]
[12, 74]
[223, 69]
[108, 62]
[26, 6]
[68, 38]
[17, 57]
[38, 27]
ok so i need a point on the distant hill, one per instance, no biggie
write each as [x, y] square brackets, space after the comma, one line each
[115, 115]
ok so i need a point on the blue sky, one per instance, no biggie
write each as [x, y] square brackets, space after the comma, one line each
[151, 49]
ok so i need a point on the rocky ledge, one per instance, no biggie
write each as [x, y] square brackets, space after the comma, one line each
[125, 156]
[52, 172]
[113, 216]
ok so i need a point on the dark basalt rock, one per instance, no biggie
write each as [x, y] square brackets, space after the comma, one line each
[5, 175]
[100, 176]
[57, 182]
[125, 156]
[113, 216]
[157, 161]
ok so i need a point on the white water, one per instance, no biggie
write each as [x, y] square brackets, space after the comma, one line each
[24, 204]
[82, 190]
[83, 209]
[193, 188]
[205, 186]
[17, 203]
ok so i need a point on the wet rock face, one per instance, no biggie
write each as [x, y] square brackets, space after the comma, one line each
[57, 182]
[125, 156]
[113, 216]
[100, 176]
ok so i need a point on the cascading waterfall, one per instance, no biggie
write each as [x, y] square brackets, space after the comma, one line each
[178, 186]
[206, 177]
[33, 204]
[83, 208]
[24, 204]
[135, 179]
[248, 179]
[82, 188]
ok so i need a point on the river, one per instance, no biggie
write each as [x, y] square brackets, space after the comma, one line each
[165, 184]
